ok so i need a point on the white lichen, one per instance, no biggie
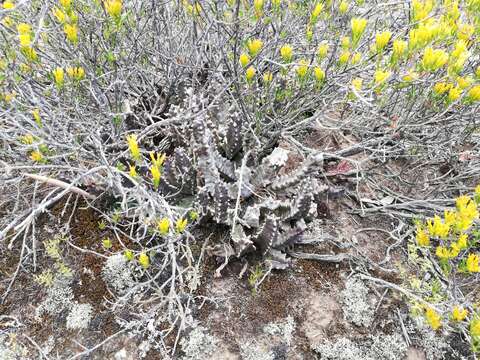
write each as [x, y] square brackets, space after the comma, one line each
[117, 274]
[341, 349]
[79, 316]
[198, 344]
[253, 351]
[284, 329]
[59, 298]
[385, 347]
[357, 309]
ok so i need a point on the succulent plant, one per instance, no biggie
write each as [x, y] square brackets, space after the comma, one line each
[234, 180]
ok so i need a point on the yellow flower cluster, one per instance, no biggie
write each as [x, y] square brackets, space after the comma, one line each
[433, 318]
[113, 8]
[133, 147]
[76, 73]
[155, 168]
[459, 314]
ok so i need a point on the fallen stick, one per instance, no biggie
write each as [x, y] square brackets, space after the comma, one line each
[61, 184]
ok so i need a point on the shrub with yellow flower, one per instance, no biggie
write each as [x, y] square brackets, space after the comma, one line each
[71, 32]
[133, 147]
[250, 73]
[155, 171]
[244, 59]
[180, 225]
[381, 40]
[322, 51]
[433, 318]
[286, 52]
[144, 260]
[76, 72]
[113, 8]
[459, 313]
[358, 26]
[433, 59]
[163, 226]
[472, 263]
[59, 76]
[254, 46]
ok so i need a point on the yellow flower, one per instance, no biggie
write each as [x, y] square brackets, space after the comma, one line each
[144, 260]
[437, 227]
[357, 84]
[250, 73]
[76, 73]
[442, 252]
[65, 3]
[422, 237]
[107, 243]
[460, 49]
[454, 250]
[155, 171]
[459, 314]
[27, 139]
[454, 93]
[163, 226]
[434, 59]
[286, 52]
[7, 21]
[399, 49]
[344, 56]
[180, 225]
[267, 77]
[36, 156]
[433, 318]
[473, 263]
[8, 97]
[58, 75]
[323, 51]
[464, 82]
[8, 5]
[29, 53]
[316, 11]
[128, 255]
[159, 160]
[258, 6]
[465, 31]
[421, 9]
[343, 7]
[25, 39]
[133, 146]
[462, 241]
[59, 15]
[244, 59]
[382, 39]
[467, 212]
[358, 26]
[133, 171]
[113, 7]
[254, 46]
[302, 68]
[319, 74]
[441, 88]
[71, 32]
[345, 42]
[24, 28]
[381, 76]
[474, 93]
